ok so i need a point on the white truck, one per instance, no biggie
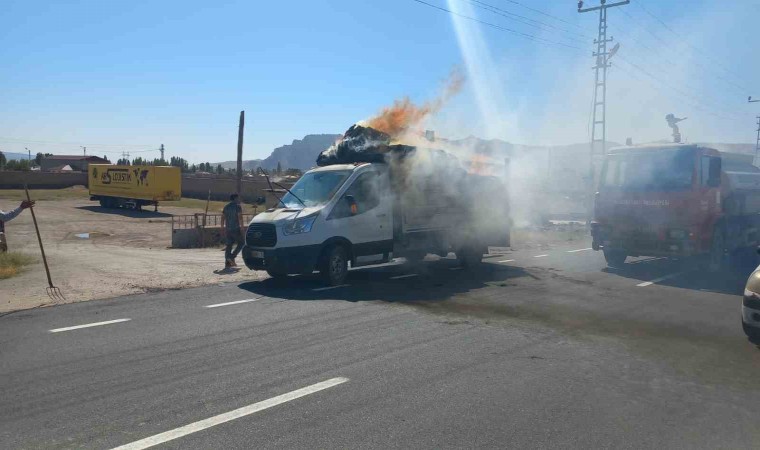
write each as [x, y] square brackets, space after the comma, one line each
[370, 212]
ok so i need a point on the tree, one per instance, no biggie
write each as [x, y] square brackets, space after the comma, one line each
[14, 164]
[219, 169]
[2, 160]
[279, 168]
[193, 168]
[293, 172]
[38, 158]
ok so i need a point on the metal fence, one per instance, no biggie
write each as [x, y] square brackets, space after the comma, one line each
[201, 220]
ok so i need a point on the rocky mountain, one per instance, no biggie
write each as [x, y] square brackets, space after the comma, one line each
[301, 154]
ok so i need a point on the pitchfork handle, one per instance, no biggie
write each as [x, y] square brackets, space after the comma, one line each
[39, 238]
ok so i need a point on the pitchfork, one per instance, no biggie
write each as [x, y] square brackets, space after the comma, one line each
[53, 292]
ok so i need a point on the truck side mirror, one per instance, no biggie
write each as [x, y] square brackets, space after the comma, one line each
[352, 204]
[715, 168]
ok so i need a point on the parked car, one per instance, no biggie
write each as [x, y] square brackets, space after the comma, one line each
[751, 306]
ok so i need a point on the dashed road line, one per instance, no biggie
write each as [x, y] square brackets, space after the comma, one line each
[236, 302]
[539, 256]
[579, 250]
[88, 325]
[507, 260]
[329, 287]
[646, 260]
[230, 416]
[410, 275]
[657, 280]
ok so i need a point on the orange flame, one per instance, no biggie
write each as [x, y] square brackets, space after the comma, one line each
[404, 114]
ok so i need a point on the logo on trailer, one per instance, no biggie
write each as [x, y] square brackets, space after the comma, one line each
[116, 176]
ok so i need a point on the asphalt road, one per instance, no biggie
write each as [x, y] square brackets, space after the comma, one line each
[530, 351]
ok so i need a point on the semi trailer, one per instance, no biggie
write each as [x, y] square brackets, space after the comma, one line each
[133, 187]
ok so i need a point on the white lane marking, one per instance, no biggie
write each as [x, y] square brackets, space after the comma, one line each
[507, 260]
[579, 250]
[540, 256]
[657, 280]
[410, 275]
[230, 416]
[88, 325]
[330, 287]
[237, 302]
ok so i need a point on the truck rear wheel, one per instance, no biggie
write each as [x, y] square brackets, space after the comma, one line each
[334, 265]
[615, 258]
[470, 256]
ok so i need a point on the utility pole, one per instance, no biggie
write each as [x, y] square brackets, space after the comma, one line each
[240, 154]
[598, 125]
[29, 152]
[125, 155]
[84, 149]
[757, 144]
[756, 162]
[162, 152]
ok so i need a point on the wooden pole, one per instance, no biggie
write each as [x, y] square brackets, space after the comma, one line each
[240, 154]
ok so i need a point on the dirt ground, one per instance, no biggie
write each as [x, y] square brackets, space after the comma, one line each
[126, 252]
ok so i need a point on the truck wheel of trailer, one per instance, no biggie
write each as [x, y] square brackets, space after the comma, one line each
[334, 265]
[615, 258]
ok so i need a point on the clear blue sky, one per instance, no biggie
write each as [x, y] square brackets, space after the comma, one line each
[131, 75]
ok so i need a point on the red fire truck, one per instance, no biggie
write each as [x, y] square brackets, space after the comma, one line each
[676, 200]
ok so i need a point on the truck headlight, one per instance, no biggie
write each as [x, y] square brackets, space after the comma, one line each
[300, 225]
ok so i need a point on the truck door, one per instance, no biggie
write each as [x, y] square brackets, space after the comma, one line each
[369, 227]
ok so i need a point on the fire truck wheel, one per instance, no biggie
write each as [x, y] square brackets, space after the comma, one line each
[717, 252]
[334, 265]
[615, 258]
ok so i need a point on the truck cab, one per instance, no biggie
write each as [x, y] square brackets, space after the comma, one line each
[333, 215]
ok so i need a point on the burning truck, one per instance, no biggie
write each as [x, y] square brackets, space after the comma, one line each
[371, 199]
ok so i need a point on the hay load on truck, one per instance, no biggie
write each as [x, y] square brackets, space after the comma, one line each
[133, 187]
[677, 200]
[369, 202]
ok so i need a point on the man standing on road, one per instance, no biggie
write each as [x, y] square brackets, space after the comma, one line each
[7, 217]
[232, 230]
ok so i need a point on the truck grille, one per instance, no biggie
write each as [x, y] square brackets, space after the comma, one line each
[261, 235]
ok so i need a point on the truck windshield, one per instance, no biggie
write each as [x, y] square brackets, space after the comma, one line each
[662, 170]
[316, 188]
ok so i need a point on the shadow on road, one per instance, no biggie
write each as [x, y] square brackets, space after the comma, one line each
[687, 274]
[435, 281]
[144, 214]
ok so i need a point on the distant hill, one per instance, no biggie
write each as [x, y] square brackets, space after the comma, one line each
[19, 156]
[301, 154]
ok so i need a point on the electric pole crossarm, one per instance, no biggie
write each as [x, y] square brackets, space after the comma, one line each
[597, 8]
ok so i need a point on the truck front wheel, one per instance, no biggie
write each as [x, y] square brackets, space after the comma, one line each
[334, 265]
[615, 258]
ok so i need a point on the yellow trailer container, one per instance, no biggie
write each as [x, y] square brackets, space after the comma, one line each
[134, 186]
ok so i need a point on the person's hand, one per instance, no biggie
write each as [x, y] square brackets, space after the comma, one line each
[27, 204]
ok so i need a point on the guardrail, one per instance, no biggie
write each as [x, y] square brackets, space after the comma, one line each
[201, 220]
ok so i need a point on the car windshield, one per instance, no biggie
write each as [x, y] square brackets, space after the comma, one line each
[315, 188]
[665, 170]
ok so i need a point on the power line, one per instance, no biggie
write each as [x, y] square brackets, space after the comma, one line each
[498, 27]
[544, 13]
[694, 60]
[521, 19]
[28, 141]
[667, 27]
